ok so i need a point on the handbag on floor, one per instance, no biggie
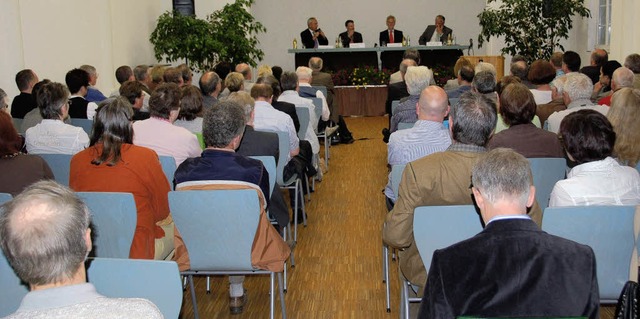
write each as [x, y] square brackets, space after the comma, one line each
[627, 307]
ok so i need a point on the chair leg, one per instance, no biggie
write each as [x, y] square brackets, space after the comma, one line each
[293, 261]
[208, 285]
[295, 214]
[405, 288]
[196, 313]
[385, 266]
[272, 295]
[327, 144]
[304, 211]
[284, 310]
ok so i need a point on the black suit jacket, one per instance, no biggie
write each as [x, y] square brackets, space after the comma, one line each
[290, 109]
[22, 104]
[428, 33]
[384, 36]
[307, 39]
[512, 269]
[593, 72]
[396, 91]
[344, 38]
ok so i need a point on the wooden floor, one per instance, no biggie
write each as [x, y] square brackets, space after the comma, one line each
[338, 271]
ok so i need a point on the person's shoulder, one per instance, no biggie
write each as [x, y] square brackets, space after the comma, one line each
[129, 308]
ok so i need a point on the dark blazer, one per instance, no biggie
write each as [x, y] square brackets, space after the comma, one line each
[22, 104]
[593, 72]
[307, 39]
[78, 108]
[344, 37]
[512, 269]
[288, 108]
[396, 91]
[428, 33]
[384, 36]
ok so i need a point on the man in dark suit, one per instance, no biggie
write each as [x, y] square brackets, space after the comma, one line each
[442, 32]
[386, 35]
[598, 58]
[313, 36]
[511, 268]
[25, 102]
[350, 36]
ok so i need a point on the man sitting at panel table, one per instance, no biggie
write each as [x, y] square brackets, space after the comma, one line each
[511, 268]
[436, 33]
[312, 37]
[45, 235]
[391, 35]
[350, 36]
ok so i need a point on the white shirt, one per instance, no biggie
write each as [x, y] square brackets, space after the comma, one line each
[555, 118]
[604, 182]
[541, 97]
[293, 97]
[166, 139]
[55, 137]
[325, 107]
[91, 107]
[267, 118]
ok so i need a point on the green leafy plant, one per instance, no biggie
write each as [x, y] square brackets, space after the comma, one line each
[526, 31]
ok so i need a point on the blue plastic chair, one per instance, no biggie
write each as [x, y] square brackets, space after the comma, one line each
[405, 125]
[294, 182]
[437, 227]
[322, 89]
[317, 103]
[394, 106]
[218, 228]
[17, 124]
[85, 124]
[168, 164]
[546, 173]
[609, 231]
[60, 165]
[13, 290]
[396, 176]
[5, 197]
[114, 217]
[303, 117]
[155, 280]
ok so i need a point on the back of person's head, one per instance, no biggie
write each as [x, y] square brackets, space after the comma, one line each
[38, 86]
[556, 59]
[624, 116]
[572, 60]
[517, 104]
[406, 63]
[222, 69]
[209, 83]
[112, 127]
[506, 80]
[131, 90]
[315, 63]
[558, 84]
[484, 82]
[123, 73]
[609, 67]
[485, 66]
[271, 81]
[433, 103]
[245, 100]
[541, 72]
[632, 62]
[173, 75]
[190, 103]
[412, 54]
[234, 81]
[141, 72]
[599, 57]
[264, 69]
[244, 69]
[223, 123]
[261, 90]
[165, 98]
[185, 70]
[157, 74]
[578, 86]
[462, 61]
[417, 78]
[10, 141]
[43, 233]
[50, 100]
[473, 118]
[304, 74]
[89, 69]
[466, 73]
[622, 77]
[502, 174]
[587, 136]
[519, 69]
[25, 79]
[276, 71]
[288, 81]
[76, 79]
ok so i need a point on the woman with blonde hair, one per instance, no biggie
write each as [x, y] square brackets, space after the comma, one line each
[624, 115]
[264, 70]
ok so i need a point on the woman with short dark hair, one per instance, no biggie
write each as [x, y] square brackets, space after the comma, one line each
[541, 73]
[597, 179]
[191, 109]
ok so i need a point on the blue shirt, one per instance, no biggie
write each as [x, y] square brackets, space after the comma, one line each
[94, 95]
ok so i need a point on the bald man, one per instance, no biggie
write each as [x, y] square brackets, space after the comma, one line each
[598, 58]
[427, 136]
[246, 72]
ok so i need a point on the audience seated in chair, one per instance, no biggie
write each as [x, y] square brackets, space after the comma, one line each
[93, 94]
[133, 91]
[417, 78]
[25, 101]
[597, 179]
[191, 109]
[210, 87]
[113, 164]
[49, 220]
[77, 81]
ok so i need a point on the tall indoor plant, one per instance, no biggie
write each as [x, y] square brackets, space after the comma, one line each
[531, 28]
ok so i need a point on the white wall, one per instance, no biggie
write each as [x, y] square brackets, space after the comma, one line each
[625, 37]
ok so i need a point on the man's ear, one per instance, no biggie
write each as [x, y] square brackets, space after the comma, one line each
[87, 240]
[478, 197]
[532, 196]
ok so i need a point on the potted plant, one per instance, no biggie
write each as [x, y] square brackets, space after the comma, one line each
[531, 28]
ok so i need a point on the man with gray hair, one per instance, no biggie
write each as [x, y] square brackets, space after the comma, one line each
[45, 235]
[324, 79]
[632, 62]
[464, 276]
[289, 83]
[398, 90]
[622, 78]
[210, 86]
[441, 179]
[520, 69]
[543, 111]
[93, 94]
[411, 54]
[246, 72]
[576, 94]
[305, 89]
[312, 37]
[417, 78]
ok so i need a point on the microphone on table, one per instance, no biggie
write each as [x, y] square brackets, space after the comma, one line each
[470, 47]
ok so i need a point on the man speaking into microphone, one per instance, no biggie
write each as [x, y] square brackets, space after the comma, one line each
[312, 37]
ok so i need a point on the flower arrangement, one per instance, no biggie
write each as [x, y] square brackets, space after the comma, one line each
[361, 76]
[442, 74]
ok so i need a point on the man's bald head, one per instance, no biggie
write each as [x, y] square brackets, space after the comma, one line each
[245, 69]
[433, 104]
[622, 77]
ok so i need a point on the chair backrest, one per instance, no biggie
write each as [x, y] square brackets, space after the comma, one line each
[303, 117]
[85, 124]
[5, 197]
[200, 141]
[638, 167]
[13, 290]
[217, 226]
[17, 123]
[405, 125]
[321, 88]
[394, 106]
[609, 231]
[546, 173]
[283, 144]
[155, 280]
[168, 167]
[114, 217]
[437, 227]
[270, 165]
[317, 103]
[60, 165]
[396, 177]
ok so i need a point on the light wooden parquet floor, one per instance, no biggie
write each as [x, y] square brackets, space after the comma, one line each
[338, 271]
